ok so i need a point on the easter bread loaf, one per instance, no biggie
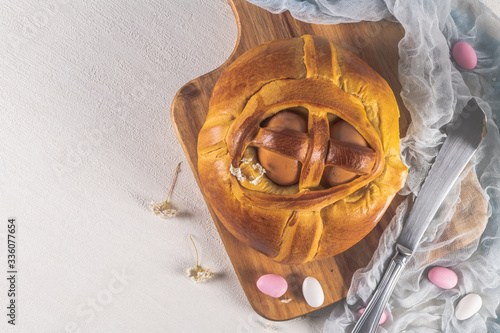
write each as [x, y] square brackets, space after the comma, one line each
[299, 154]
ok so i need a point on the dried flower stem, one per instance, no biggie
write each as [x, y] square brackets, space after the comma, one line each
[166, 209]
[177, 170]
[198, 274]
[195, 249]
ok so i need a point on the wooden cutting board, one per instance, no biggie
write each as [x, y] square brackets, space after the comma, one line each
[374, 42]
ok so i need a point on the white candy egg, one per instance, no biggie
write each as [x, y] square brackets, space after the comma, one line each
[468, 306]
[313, 292]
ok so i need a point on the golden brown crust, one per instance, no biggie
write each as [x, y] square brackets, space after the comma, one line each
[305, 221]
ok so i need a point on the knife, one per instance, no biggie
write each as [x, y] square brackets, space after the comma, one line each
[464, 136]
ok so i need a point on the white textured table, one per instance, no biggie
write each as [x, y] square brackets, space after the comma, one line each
[86, 143]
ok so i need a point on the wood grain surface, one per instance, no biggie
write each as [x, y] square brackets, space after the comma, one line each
[374, 42]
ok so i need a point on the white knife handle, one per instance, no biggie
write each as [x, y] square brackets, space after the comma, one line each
[368, 322]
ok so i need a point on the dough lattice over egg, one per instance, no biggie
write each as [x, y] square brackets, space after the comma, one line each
[306, 217]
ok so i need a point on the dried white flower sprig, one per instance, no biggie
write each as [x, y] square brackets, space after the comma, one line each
[260, 169]
[237, 172]
[165, 209]
[197, 273]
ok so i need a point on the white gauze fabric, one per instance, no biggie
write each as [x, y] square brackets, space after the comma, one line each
[434, 89]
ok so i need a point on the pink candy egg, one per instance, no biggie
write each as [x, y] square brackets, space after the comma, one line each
[443, 277]
[272, 285]
[464, 55]
[383, 317]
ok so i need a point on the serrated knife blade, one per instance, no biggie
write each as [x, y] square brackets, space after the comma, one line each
[463, 138]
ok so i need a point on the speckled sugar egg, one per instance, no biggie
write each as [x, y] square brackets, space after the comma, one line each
[272, 285]
[443, 277]
[468, 306]
[464, 55]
